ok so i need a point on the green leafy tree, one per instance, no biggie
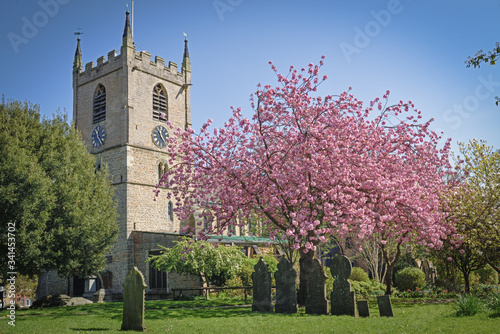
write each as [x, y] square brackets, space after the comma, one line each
[489, 58]
[478, 209]
[215, 263]
[60, 208]
[475, 207]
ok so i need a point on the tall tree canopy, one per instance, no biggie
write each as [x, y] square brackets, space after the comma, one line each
[312, 167]
[62, 208]
[476, 209]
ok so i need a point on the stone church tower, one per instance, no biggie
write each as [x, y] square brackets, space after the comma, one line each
[120, 106]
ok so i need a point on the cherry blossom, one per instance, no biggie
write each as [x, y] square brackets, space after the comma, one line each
[311, 167]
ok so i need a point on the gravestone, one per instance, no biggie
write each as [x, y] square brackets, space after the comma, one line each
[262, 282]
[133, 301]
[385, 306]
[286, 296]
[342, 297]
[99, 296]
[363, 309]
[316, 302]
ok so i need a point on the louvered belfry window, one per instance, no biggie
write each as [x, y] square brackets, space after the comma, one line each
[160, 106]
[99, 113]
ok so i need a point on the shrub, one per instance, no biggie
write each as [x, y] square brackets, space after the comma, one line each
[361, 289]
[410, 278]
[482, 290]
[358, 274]
[246, 270]
[487, 275]
[494, 304]
[468, 305]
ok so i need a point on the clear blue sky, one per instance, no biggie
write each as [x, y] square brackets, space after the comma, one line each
[416, 49]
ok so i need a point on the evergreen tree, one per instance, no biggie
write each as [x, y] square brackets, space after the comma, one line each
[61, 207]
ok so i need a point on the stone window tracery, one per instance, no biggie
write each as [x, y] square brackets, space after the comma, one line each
[160, 103]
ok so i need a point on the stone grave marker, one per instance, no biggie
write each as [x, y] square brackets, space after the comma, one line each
[262, 282]
[363, 308]
[342, 297]
[316, 302]
[133, 301]
[286, 295]
[385, 306]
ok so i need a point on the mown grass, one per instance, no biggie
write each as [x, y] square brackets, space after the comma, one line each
[187, 317]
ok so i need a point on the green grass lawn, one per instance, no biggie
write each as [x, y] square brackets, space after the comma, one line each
[201, 316]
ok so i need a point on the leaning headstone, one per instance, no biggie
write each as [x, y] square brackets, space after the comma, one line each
[262, 282]
[385, 306]
[98, 296]
[286, 296]
[316, 302]
[342, 298]
[133, 301]
[363, 309]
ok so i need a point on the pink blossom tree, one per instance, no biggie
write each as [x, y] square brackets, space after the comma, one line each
[312, 167]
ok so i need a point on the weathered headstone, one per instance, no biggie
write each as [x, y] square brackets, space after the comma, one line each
[385, 306]
[133, 301]
[99, 296]
[262, 283]
[316, 302]
[286, 296]
[342, 298]
[363, 308]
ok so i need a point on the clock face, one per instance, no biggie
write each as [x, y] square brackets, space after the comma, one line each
[98, 136]
[159, 136]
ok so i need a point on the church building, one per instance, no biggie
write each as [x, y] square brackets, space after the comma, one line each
[121, 106]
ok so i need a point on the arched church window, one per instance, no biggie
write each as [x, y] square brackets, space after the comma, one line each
[160, 105]
[99, 111]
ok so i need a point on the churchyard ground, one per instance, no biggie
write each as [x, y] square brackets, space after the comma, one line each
[236, 316]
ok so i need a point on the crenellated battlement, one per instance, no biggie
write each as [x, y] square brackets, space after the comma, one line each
[141, 61]
[113, 61]
[144, 63]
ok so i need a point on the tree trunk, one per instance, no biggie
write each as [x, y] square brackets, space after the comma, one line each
[466, 281]
[388, 278]
[390, 265]
[302, 293]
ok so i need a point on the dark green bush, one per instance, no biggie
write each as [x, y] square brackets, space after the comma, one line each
[358, 274]
[410, 278]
